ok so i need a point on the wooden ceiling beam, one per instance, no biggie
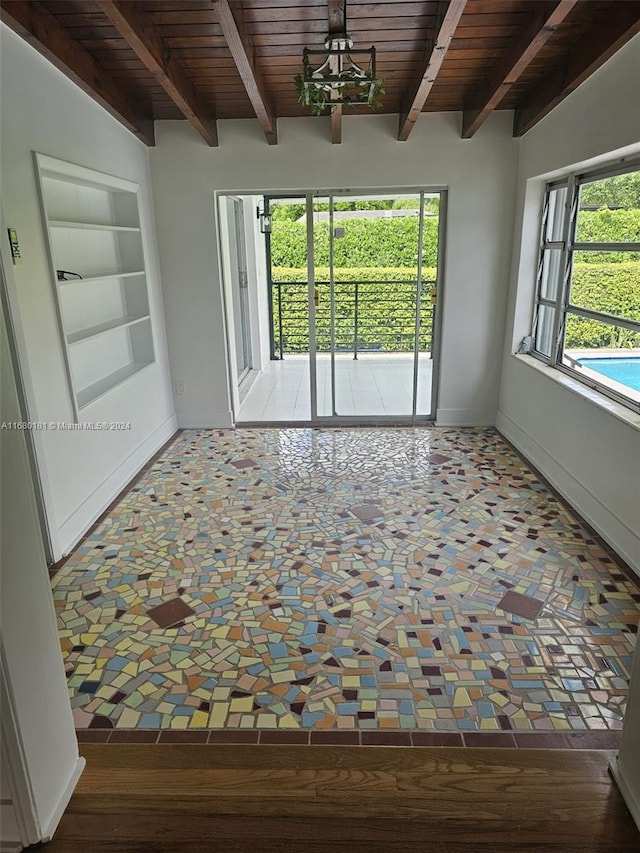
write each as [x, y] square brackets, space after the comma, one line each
[39, 28]
[336, 124]
[509, 70]
[432, 67]
[337, 18]
[145, 41]
[239, 43]
[337, 15]
[612, 29]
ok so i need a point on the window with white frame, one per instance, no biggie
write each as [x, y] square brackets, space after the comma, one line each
[587, 311]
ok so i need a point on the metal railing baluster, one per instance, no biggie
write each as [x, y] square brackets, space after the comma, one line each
[390, 329]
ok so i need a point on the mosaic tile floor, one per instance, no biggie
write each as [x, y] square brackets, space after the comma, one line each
[398, 579]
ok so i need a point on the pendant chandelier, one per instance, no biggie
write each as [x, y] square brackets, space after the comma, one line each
[338, 76]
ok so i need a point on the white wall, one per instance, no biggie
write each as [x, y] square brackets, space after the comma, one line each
[479, 174]
[589, 451]
[46, 758]
[43, 111]
[626, 768]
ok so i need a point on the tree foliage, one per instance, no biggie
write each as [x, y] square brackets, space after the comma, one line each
[367, 243]
[623, 190]
[608, 226]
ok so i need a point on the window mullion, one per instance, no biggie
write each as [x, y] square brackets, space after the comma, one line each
[622, 167]
[562, 295]
[605, 247]
[539, 272]
[545, 218]
[611, 319]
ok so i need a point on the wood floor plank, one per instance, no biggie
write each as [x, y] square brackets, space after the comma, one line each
[438, 811]
[190, 798]
[264, 783]
[241, 756]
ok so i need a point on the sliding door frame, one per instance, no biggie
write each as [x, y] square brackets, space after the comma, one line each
[308, 196]
[336, 419]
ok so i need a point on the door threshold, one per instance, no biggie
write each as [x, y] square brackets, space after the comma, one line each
[341, 423]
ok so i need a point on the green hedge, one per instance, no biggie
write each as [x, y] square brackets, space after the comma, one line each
[612, 288]
[394, 242]
[620, 189]
[367, 243]
[608, 226]
[386, 312]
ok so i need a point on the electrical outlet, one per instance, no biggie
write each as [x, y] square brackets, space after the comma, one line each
[180, 386]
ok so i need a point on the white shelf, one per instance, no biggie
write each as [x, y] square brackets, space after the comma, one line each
[93, 228]
[90, 278]
[89, 226]
[101, 328]
[92, 392]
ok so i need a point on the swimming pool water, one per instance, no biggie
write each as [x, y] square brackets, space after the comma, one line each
[623, 370]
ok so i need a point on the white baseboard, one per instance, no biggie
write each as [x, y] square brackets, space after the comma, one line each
[10, 847]
[74, 528]
[466, 417]
[50, 826]
[206, 420]
[613, 530]
[632, 802]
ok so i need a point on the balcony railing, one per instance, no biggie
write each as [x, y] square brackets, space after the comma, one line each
[370, 316]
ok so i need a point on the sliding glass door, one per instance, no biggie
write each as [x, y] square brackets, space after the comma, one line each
[372, 284]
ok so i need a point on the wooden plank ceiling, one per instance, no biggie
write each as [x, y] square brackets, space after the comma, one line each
[203, 60]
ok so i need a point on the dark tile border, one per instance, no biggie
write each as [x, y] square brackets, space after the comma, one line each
[95, 735]
[489, 739]
[609, 739]
[385, 738]
[196, 736]
[241, 736]
[437, 739]
[54, 568]
[132, 736]
[545, 740]
[330, 737]
[294, 736]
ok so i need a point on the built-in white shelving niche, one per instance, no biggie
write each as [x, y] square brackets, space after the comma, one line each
[93, 230]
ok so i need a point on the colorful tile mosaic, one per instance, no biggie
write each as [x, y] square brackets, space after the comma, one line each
[416, 579]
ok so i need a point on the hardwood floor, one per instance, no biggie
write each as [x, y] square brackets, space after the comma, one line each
[280, 799]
